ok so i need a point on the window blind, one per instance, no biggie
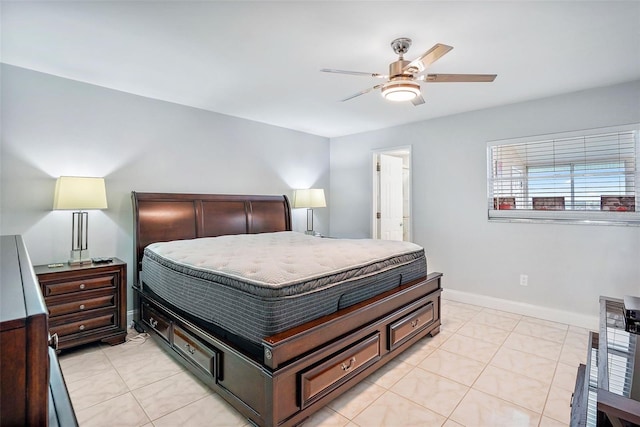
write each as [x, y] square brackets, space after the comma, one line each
[580, 175]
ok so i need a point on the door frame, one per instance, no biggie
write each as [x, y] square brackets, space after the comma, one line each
[404, 150]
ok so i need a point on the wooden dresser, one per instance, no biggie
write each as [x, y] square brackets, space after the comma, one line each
[32, 389]
[86, 302]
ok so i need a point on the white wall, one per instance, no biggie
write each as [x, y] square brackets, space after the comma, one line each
[569, 266]
[53, 126]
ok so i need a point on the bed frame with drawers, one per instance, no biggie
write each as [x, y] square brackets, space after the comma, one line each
[300, 370]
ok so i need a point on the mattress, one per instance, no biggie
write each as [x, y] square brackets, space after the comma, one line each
[257, 285]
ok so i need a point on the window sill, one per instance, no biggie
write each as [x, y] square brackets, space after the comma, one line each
[566, 217]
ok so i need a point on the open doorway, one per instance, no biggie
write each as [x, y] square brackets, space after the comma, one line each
[392, 194]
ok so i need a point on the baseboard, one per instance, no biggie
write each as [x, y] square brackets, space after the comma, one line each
[130, 317]
[546, 313]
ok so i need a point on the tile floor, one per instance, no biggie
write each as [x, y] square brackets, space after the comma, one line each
[485, 368]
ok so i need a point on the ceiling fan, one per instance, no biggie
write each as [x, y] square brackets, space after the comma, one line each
[404, 78]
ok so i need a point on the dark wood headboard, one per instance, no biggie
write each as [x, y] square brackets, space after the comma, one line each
[161, 217]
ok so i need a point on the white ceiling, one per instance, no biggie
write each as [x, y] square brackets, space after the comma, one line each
[261, 60]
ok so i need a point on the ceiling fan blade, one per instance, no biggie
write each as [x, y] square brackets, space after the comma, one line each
[428, 58]
[354, 73]
[417, 100]
[361, 93]
[455, 78]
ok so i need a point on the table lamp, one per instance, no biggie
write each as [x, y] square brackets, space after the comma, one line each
[80, 194]
[309, 198]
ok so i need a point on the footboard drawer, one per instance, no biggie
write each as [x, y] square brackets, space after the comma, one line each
[156, 321]
[410, 325]
[329, 374]
[194, 350]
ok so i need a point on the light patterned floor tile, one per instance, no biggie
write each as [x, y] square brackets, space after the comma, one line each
[550, 422]
[478, 409]
[325, 417]
[502, 314]
[142, 346]
[356, 400]
[458, 311]
[578, 330]
[574, 356]
[432, 391]
[121, 411]
[146, 369]
[419, 388]
[85, 364]
[160, 398]
[481, 351]
[565, 377]
[577, 339]
[557, 406]
[452, 324]
[526, 364]
[495, 320]
[453, 366]
[390, 373]
[393, 410]
[89, 391]
[541, 331]
[206, 412]
[420, 350]
[484, 333]
[523, 391]
[533, 345]
[547, 323]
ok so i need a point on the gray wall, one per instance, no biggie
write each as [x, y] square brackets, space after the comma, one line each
[53, 126]
[569, 266]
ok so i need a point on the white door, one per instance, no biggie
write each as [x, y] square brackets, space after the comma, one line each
[391, 225]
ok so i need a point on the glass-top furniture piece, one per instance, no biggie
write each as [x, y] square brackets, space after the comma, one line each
[608, 387]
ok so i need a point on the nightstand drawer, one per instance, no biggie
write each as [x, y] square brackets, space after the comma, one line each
[84, 304]
[82, 325]
[84, 284]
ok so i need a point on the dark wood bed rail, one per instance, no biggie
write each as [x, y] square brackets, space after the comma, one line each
[161, 217]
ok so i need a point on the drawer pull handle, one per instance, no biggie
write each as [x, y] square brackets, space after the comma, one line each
[190, 349]
[81, 306]
[415, 322]
[153, 322]
[53, 341]
[82, 286]
[346, 367]
[81, 327]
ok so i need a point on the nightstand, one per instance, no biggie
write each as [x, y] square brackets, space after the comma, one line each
[86, 303]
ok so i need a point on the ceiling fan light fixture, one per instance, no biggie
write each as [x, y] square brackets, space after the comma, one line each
[398, 91]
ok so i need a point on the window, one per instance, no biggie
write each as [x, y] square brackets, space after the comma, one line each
[585, 176]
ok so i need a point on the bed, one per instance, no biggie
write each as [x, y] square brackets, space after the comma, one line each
[290, 333]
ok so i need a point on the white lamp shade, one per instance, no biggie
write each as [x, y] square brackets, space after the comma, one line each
[74, 192]
[309, 198]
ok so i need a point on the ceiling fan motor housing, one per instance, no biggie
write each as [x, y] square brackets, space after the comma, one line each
[396, 69]
[401, 86]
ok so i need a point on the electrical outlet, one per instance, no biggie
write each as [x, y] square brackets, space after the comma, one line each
[524, 280]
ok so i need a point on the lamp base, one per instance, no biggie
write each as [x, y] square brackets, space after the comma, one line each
[79, 257]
